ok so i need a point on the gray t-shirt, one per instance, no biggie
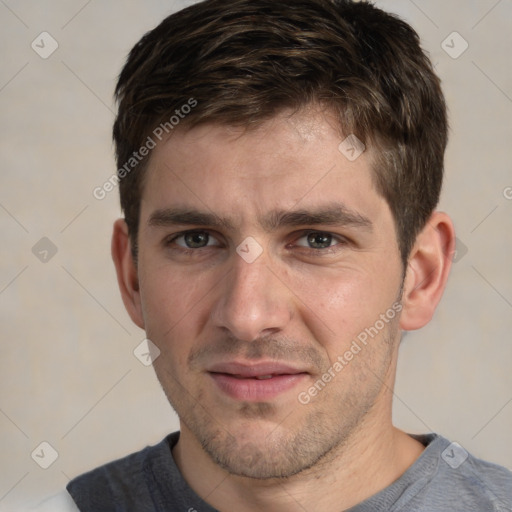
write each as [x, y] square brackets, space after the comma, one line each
[445, 478]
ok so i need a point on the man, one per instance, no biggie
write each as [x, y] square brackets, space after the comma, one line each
[279, 168]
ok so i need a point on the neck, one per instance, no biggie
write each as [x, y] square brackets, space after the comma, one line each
[373, 458]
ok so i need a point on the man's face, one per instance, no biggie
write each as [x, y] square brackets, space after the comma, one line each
[263, 255]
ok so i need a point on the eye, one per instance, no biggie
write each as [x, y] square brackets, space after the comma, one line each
[194, 240]
[319, 240]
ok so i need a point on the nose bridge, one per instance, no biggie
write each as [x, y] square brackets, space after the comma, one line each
[251, 301]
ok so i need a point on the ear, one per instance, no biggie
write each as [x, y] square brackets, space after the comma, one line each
[126, 270]
[427, 271]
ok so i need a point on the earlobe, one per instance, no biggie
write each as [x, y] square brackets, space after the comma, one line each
[126, 271]
[427, 272]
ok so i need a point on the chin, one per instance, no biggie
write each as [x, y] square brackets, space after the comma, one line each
[267, 451]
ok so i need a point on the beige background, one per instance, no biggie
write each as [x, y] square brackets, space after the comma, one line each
[68, 373]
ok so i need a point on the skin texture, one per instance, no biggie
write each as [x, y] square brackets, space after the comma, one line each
[313, 289]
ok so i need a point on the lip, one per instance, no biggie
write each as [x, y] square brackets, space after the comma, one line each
[240, 381]
[254, 369]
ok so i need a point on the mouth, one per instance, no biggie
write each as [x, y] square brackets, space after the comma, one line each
[255, 382]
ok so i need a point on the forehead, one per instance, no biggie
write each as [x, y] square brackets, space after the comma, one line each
[286, 162]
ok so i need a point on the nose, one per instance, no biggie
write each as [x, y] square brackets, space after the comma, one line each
[253, 300]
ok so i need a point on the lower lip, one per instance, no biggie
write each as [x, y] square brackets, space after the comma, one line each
[256, 390]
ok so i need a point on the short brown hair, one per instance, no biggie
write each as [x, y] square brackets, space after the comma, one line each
[243, 61]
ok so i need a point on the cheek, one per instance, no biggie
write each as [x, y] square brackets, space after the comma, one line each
[173, 305]
[338, 306]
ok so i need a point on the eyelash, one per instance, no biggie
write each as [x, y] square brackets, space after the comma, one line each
[331, 249]
[339, 240]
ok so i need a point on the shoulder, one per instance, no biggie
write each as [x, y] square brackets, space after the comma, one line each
[126, 480]
[468, 480]
[491, 479]
[135, 462]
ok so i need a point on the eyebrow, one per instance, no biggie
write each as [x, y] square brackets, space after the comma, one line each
[187, 217]
[334, 214]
